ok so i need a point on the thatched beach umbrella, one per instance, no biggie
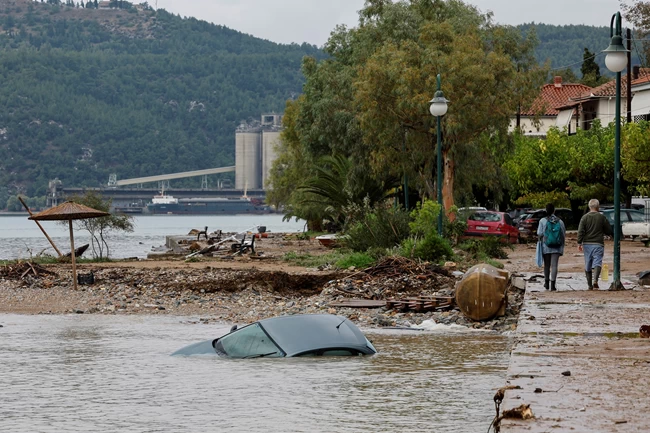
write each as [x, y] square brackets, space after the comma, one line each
[69, 211]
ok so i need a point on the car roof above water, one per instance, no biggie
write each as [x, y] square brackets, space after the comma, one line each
[303, 333]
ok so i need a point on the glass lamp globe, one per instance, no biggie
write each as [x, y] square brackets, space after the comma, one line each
[438, 105]
[616, 60]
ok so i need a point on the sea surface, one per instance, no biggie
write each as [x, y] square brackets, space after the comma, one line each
[92, 373]
[21, 238]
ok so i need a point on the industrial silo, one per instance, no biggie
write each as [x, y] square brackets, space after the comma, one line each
[270, 142]
[247, 159]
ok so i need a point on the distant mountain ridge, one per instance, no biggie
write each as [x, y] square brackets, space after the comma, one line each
[136, 92]
[564, 45]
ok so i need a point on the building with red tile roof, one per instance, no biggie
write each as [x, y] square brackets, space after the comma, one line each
[600, 102]
[544, 111]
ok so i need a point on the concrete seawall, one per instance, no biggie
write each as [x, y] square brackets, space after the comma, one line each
[578, 359]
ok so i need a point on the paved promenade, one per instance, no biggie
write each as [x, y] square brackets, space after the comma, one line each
[579, 360]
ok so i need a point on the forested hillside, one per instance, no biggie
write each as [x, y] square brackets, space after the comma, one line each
[87, 92]
[563, 46]
[137, 92]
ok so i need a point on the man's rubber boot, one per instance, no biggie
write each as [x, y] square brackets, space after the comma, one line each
[589, 283]
[545, 284]
[553, 289]
[596, 276]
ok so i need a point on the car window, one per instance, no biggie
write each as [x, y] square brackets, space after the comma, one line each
[485, 217]
[637, 217]
[248, 342]
[610, 216]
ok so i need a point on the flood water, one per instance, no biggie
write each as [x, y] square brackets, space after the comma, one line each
[20, 237]
[114, 374]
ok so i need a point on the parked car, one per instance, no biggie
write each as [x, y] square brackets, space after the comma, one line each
[491, 223]
[288, 336]
[517, 213]
[529, 223]
[464, 212]
[627, 215]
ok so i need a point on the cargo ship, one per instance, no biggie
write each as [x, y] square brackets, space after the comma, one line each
[169, 205]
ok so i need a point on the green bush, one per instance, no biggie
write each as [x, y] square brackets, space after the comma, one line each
[425, 218]
[455, 229]
[432, 247]
[381, 226]
[487, 247]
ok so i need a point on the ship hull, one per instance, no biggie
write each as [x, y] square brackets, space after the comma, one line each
[224, 207]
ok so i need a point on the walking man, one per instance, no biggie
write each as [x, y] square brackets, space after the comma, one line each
[591, 240]
[551, 233]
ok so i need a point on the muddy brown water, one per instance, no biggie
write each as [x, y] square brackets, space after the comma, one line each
[114, 373]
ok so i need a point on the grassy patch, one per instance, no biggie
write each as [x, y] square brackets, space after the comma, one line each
[341, 259]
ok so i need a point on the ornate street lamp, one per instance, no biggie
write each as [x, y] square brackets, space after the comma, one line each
[438, 108]
[616, 60]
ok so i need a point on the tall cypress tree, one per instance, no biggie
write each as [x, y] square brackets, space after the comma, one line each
[589, 65]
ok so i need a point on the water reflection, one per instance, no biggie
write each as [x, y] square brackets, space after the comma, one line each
[106, 374]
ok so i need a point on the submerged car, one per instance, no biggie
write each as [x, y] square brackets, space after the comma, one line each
[288, 336]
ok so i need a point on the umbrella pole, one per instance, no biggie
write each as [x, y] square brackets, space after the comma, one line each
[72, 254]
[41, 227]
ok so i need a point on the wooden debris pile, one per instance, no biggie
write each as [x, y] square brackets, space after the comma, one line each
[422, 303]
[22, 270]
[399, 266]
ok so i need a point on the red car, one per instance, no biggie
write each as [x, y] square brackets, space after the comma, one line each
[490, 223]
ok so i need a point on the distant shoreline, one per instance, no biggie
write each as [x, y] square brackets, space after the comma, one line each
[7, 213]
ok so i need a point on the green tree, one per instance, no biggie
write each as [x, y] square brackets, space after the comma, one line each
[579, 167]
[370, 99]
[637, 12]
[591, 71]
[101, 228]
[635, 148]
[567, 74]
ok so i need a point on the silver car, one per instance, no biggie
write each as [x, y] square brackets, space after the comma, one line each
[288, 336]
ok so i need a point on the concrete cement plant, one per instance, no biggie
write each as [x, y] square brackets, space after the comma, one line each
[255, 144]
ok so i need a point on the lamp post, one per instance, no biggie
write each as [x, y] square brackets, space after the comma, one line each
[438, 108]
[616, 60]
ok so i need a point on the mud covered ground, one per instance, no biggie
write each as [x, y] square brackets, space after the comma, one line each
[242, 289]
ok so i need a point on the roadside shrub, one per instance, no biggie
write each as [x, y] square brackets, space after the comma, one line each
[487, 247]
[455, 229]
[432, 247]
[382, 226]
[425, 218]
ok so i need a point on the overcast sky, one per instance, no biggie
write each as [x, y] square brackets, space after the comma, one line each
[311, 21]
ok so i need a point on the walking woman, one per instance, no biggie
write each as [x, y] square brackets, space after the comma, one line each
[551, 233]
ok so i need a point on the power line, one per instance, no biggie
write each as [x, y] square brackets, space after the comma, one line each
[576, 63]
